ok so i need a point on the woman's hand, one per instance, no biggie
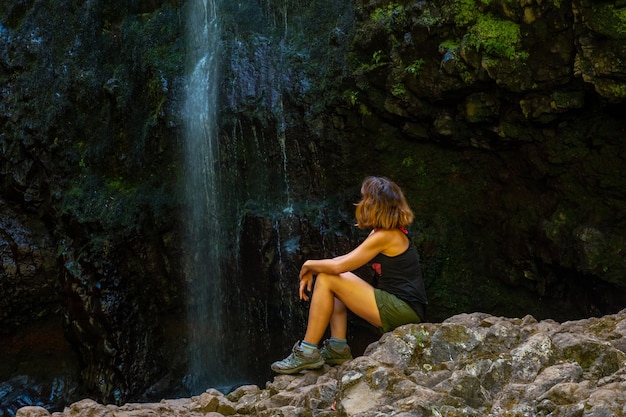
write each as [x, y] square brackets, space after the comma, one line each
[306, 284]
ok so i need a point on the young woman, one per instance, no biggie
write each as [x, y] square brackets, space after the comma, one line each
[399, 299]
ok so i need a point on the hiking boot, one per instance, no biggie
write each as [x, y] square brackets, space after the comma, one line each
[298, 361]
[335, 357]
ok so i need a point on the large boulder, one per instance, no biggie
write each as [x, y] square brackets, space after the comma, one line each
[469, 365]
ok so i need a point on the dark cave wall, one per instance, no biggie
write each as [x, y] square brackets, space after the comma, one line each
[506, 144]
[89, 155]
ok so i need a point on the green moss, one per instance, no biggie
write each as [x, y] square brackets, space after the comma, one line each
[585, 354]
[496, 37]
[466, 12]
[415, 67]
[485, 32]
[364, 110]
[389, 16]
[156, 41]
[449, 44]
[427, 19]
[398, 89]
[616, 91]
[119, 186]
[609, 20]
[114, 203]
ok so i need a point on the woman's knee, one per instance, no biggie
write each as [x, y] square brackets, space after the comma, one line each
[339, 284]
[324, 279]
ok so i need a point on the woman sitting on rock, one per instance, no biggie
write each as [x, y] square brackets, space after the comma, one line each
[399, 299]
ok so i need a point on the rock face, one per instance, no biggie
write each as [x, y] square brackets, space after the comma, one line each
[28, 267]
[520, 93]
[469, 365]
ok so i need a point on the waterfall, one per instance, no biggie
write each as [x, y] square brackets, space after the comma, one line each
[204, 242]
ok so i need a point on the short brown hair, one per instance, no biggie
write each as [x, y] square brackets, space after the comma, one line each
[382, 205]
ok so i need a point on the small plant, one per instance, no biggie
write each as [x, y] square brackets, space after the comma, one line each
[421, 335]
[426, 19]
[364, 110]
[118, 186]
[81, 148]
[376, 61]
[389, 15]
[377, 56]
[415, 68]
[351, 97]
[449, 45]
[398, 89]
[421, 169]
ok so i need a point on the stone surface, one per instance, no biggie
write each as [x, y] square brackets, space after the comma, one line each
[469, 365]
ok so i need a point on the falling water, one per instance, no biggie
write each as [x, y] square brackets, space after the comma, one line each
[203, 239]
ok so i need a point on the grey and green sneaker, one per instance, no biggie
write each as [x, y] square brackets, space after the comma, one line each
[298, 361]
[335, 357]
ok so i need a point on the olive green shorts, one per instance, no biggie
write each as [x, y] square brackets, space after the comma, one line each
[393, 311]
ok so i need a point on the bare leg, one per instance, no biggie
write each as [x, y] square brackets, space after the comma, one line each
[354, 293]
[339, 320]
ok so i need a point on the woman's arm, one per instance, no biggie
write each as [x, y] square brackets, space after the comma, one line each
[375, 243]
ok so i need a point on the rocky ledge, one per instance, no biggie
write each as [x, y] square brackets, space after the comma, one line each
[469, 365]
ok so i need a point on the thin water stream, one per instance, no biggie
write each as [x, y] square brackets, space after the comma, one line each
[204, 242]
[241, 307]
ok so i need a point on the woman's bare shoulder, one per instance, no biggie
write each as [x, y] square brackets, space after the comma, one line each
[396, 241]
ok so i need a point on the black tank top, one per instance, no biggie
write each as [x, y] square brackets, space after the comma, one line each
[401, 275]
